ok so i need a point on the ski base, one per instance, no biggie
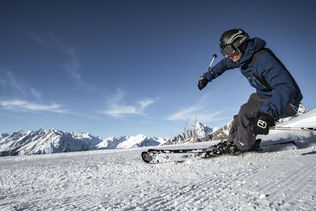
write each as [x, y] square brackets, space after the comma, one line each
[178, 155]
[155, 156]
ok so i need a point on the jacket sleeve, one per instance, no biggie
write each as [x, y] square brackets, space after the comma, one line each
[281, 82]
[219, 68]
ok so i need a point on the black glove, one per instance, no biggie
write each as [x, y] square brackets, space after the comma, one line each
[261, 123]
[202, 83]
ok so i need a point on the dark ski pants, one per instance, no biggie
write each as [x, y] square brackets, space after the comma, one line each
[240, 133]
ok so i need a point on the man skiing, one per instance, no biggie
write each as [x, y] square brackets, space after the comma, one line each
[277, 94]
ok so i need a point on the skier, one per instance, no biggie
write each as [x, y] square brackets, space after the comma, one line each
[277, 94]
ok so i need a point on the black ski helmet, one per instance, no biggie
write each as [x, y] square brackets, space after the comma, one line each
[237, 38]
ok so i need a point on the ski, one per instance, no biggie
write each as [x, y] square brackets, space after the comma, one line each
[155, 156]
[280, 143]
[295, 128]
[162, 155]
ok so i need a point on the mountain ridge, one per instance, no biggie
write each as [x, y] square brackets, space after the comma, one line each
[54, 141]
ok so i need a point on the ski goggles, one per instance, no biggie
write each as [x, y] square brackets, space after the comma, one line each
[228, 50]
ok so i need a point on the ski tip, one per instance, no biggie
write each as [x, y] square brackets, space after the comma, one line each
[146, 157]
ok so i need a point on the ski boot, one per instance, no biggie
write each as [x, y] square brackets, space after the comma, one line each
[227, 148]
[256, 146]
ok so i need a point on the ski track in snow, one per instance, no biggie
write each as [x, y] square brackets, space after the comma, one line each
[283, 179]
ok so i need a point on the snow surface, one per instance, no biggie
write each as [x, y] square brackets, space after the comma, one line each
[279, 178]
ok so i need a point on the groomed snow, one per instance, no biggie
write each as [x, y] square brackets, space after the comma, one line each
[279, 178]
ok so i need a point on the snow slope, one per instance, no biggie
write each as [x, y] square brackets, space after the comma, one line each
[280, 178]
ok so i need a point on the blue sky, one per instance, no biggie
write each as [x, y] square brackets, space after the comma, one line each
[115, 68]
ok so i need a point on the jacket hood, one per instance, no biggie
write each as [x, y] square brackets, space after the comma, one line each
[254, 45]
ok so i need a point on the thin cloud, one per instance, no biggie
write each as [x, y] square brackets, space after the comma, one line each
[199, 111]
[184, 114]
[70, 63]
[195, 112]
[72, 66]
[36, 93]
[16, 85]
[21, 105]
[145, 103]
[39, 40]
[12, 82]
[26, 106]
[2, 82]
[116, 108]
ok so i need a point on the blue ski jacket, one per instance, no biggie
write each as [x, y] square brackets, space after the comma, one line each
[282, 90]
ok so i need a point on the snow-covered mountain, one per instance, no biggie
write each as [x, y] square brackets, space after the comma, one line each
[53, 141]
[194, 134]
[125, 142]
[46, 142]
